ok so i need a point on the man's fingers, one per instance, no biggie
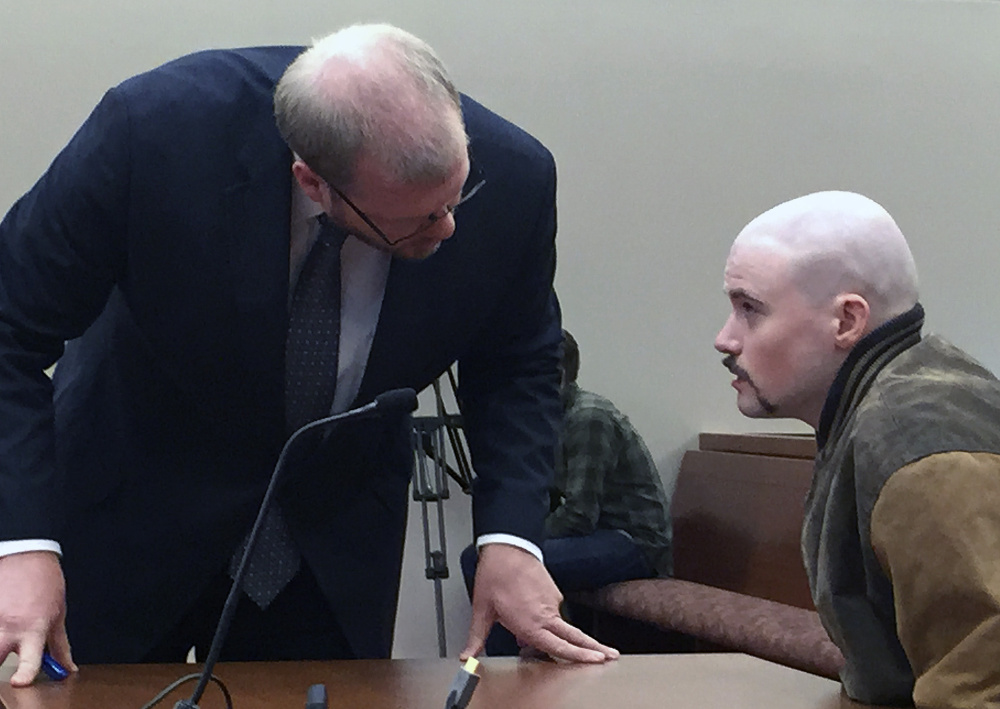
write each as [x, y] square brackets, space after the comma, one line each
[59, 648]
[567, 642]
[577, 637]
[473, 647]
[29, 656]
[554, 646]
[479, 630]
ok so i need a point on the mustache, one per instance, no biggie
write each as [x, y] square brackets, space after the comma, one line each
[729, 362]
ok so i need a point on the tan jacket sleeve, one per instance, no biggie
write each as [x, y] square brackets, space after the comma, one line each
[936, 531]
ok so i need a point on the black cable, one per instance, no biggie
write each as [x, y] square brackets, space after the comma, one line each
[187, 678]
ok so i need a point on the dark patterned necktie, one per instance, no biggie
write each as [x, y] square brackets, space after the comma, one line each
[314, 331]
[310, 379]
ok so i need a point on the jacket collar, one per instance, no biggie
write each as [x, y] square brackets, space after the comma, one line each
[866, 360]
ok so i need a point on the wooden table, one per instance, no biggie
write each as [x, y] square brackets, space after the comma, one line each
[707, 680]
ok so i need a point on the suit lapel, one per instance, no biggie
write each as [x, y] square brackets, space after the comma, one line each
[257, 206]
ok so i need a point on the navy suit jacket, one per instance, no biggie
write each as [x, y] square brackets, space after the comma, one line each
[151, 260]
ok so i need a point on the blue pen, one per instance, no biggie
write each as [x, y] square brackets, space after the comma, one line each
[53, 669]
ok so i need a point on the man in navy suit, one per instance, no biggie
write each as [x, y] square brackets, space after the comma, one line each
[155, 261]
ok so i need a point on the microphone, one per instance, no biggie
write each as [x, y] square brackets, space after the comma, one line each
[395, 401]
[402, 400]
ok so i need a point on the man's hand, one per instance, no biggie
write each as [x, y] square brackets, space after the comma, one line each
[514, 588]
[33, 613]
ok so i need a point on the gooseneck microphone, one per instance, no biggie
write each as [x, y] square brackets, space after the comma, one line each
[395, 401]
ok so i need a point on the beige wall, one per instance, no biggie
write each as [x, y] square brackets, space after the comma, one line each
[673, 124]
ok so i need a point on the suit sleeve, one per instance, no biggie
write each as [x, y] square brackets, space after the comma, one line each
[936, 531]
[509, 387]
[61, 251]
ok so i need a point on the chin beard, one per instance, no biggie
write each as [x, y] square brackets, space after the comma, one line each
[768, 408]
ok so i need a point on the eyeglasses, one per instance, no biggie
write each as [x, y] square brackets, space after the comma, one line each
[431, 218]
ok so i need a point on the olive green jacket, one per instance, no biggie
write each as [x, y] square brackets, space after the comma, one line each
[901, 538]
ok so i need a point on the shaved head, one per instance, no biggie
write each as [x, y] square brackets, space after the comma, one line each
[807, 280]
[839, 242]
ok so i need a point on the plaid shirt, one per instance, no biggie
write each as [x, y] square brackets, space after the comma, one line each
[606, 479]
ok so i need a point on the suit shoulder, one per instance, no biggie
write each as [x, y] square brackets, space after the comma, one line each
[492, 132]
[212, 75]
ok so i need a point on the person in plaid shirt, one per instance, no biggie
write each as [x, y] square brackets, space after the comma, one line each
[610, 513]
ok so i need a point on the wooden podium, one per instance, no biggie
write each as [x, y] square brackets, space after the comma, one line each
[634, 681]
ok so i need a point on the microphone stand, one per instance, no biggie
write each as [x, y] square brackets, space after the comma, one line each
[430, 485]
[396, 399]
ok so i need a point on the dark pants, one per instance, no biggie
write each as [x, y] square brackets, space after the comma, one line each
[297, 625]
[575, 564]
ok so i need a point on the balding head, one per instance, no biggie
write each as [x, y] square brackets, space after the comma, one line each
[374, 93]
[840, 242]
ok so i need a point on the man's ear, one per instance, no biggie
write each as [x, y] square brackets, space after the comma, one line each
[852, 314]
[312, 184]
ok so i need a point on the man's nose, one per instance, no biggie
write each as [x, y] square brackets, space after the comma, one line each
[443, 228]
[725, 341]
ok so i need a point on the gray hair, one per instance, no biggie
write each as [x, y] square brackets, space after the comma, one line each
[842, 242]
[376, 92]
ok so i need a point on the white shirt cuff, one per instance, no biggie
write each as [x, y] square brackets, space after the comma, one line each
[513, 541]
[18, 546]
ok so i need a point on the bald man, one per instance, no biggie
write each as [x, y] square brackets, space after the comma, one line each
[901, 538]
[163, 259]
